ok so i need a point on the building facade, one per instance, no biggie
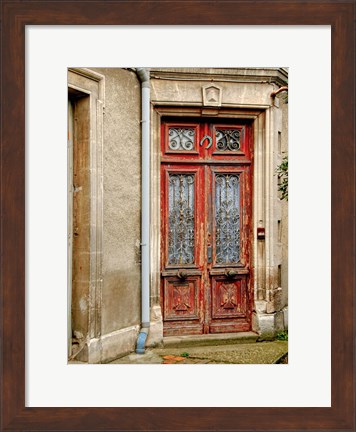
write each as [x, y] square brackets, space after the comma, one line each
[214, 234]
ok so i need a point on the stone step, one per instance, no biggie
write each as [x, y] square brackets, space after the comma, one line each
[209, 339]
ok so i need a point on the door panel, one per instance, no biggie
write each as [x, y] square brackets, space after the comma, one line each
[180, 140]
[228, 140]
[181, 211]
[181, 298]
[228, 297]
[181, 218]
[229, 303]
[206, 232]
[226, 218]
[183, 303]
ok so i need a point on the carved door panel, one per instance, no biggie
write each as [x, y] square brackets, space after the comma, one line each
[205, 220]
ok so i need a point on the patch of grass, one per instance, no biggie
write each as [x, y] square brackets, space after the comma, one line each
[185, 354]
[282, 336]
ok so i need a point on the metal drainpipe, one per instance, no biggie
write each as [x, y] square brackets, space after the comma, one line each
[143, 74]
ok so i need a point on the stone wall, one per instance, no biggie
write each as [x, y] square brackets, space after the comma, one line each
[246, 94]
[284, 233]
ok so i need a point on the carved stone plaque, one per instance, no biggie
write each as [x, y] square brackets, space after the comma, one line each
[212, 95]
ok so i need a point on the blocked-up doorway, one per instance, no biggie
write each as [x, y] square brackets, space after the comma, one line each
[78, 217]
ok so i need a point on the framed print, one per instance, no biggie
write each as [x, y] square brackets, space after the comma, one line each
[35, 392]
[236, 287]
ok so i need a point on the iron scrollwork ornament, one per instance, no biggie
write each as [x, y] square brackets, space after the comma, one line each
[181, 139]
[228, 140]
[227, 218]
[181, 219]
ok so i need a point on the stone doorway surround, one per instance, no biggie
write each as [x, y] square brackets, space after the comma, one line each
[91, 84]
[230, 94]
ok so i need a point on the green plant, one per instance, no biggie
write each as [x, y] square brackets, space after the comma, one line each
[283, 335]
[282, 173]
[185, 354]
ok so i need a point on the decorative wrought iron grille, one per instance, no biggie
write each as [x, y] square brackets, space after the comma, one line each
[181, 139]
[227, 140]
[181, 219]
[227, 218]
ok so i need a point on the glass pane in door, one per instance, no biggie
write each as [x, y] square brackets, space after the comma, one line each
[227, 218]
[181, 219]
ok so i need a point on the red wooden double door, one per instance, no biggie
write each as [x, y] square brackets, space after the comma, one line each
[206, 184]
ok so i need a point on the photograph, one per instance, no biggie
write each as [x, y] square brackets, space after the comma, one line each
[148, 239]
[177, 215]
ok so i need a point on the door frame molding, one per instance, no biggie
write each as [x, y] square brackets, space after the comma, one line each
[92, 84]
[266, 123]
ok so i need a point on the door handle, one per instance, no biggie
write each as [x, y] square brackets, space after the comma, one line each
[209, 139]
[230, 273]
[181, 274]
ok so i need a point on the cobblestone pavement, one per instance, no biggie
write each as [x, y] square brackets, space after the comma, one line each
[250, 353]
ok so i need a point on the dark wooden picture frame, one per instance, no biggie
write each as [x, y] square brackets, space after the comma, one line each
[340, 15]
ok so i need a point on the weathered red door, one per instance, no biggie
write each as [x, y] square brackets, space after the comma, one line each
[206, 185]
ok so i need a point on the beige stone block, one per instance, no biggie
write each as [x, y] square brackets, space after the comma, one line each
[261, 306]
[94, 351]
[285, 318]
[277, 298]
[254, 323]
[279, 321]
[155, 335]
[119, 343]
[266, 326]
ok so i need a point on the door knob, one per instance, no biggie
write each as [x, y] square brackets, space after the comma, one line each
[181, 274]
[230, 273]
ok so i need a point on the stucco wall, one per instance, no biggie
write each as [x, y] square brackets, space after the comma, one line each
[122, 200]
